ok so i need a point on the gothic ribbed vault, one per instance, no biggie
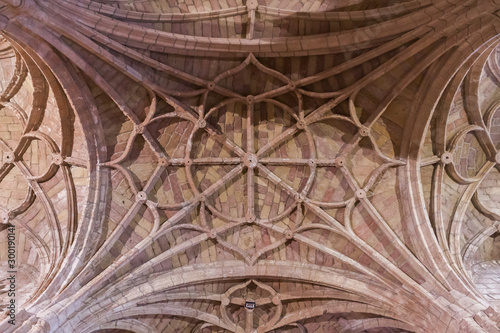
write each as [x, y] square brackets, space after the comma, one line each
[167, 164]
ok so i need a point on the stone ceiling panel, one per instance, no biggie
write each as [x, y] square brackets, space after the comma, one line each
[257, 166]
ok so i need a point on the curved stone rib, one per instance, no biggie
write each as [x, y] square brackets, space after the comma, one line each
[131, 15]
[134, 325]
[457, 222]
[16, 81]
[352, 15]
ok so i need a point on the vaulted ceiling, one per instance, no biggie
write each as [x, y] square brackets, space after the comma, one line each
[167, 165]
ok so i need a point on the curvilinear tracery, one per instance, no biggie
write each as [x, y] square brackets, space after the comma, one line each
[251, 166]
[251, 159]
